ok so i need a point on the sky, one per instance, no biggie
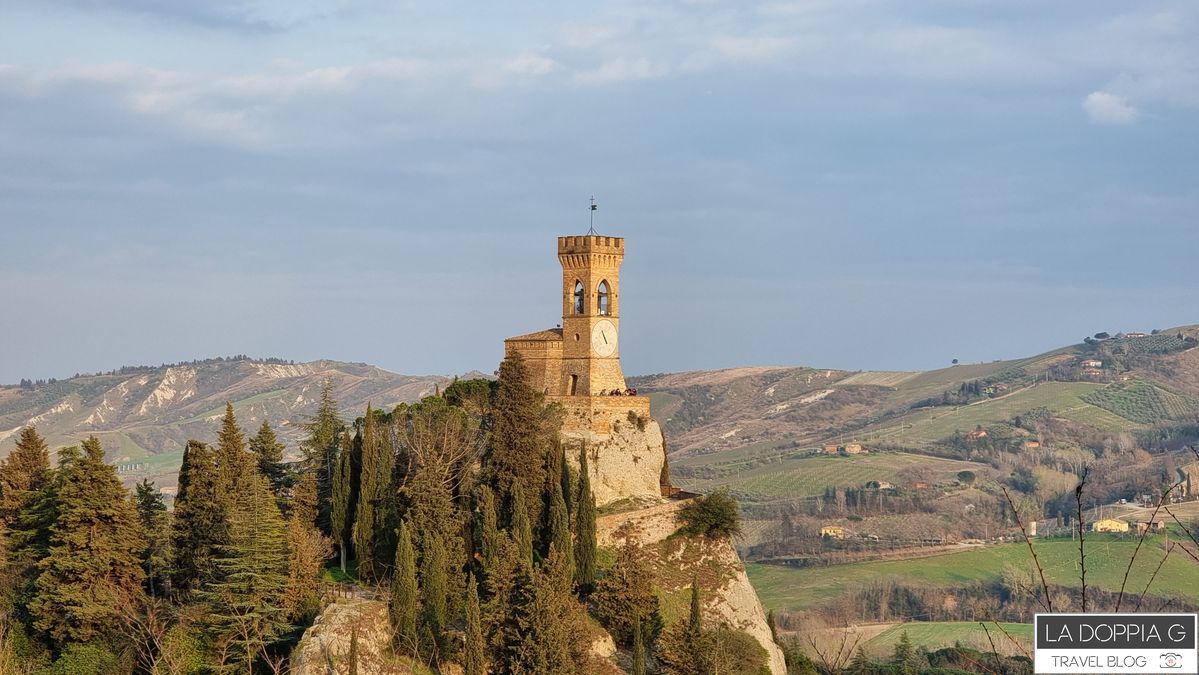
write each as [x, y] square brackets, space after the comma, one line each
[855, 184]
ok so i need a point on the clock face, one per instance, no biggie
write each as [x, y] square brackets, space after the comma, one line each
[603, 338]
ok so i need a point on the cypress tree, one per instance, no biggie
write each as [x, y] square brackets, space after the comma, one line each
[268, 454]
[200, 524]
[473, 659]
[368, 491]
[246, 597]
[93, 566]
[403, 603]
[307, 550]
[558, 527]
[231, 453]
[344, 496]
[638, 649]
[566, 484]
[433, 593]
[585, 538]
[522, 529]
[320, 454]
[695, 624]
[551, 623]
[519, 439]
[489, 531]
[154, 520]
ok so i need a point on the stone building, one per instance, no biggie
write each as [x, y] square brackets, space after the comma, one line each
[577, 366]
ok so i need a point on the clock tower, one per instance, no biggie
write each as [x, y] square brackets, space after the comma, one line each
[591, 314]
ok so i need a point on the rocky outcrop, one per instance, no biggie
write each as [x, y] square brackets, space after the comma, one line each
[325, 647]
[625, 464]
[727, 593]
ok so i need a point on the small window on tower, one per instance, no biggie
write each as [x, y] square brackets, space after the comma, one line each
[602, 298]
[579, 297]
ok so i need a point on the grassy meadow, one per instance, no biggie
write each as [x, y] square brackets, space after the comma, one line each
[794, 589]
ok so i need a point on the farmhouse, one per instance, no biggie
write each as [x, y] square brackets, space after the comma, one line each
[855, 449]
[1031, 445]
[1091, 363]
[834, 532]
[1109, 525]
[977, 434]
[879, 485]
[831, 449]
[1144, 526]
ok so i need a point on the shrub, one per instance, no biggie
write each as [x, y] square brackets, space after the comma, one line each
[713, 515]
[84, 658]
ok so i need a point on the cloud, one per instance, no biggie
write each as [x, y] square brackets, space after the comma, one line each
[621, 70]
[1104, 108]
[530, 64]
[752, 48]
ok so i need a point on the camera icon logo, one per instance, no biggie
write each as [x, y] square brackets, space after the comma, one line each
[1171, 660]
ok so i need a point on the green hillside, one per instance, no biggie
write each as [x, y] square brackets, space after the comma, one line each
[792, 589]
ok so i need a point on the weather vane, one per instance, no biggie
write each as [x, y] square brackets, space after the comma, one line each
[594, 208]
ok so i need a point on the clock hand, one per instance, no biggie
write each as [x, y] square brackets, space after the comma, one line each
[604, 334]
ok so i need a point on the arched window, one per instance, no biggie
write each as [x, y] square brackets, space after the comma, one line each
[601, 296]
[579, 297]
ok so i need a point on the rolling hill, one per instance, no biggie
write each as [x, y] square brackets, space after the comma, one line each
[145, 415]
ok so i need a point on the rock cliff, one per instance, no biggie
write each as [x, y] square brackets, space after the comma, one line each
[626, 464]
[726, 592]
[325, 647]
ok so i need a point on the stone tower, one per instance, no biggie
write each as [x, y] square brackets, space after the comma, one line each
[577, 365]
[591, 314]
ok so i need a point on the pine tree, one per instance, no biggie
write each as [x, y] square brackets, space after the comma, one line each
[522, 529]
[904, 655]
[585, 538]
[320, 454]
[246, 597]
[473, 658]
[22, 474]
[155, 523]
[519, 440]
[268, 454]
[200, 524]
[231, 453]
[861, 663]
[344, 497]
[93, 567]
[403, 603]
[27, 507]
[558, 527]
[638, 649]
[368, 492]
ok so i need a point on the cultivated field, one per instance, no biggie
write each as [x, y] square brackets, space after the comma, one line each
[1064, 399]
[802, 476]
[792, 589]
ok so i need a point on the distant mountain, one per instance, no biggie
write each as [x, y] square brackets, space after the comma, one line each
[1137, 381]
[145, 415]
